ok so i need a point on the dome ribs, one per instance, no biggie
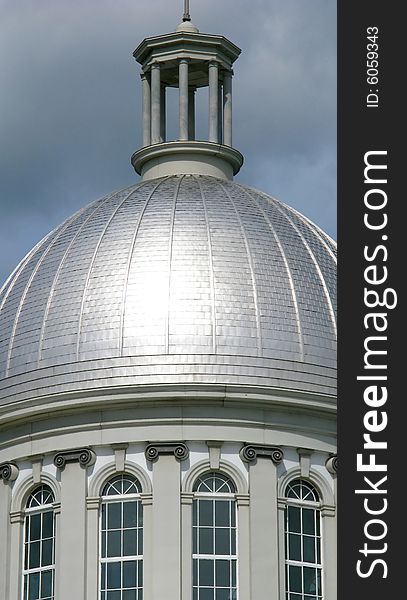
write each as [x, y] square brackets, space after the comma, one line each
[253, 278]
[321, 235]
[184, 280]
[99, 204]
[58, 233]
[191, 297]
[101, 304]
[320, 249]
[129, 260]
[169, 270]
[311, 254]
[211, 272]
[146, 301]
[287, 267]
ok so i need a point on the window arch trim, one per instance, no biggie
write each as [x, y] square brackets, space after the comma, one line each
[326, 494]
[27, 485]
[39, 543]
[225, 468]
[105, 473]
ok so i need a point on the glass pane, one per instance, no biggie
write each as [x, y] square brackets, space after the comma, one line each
[194, 540]
[317, 522]
[206, 572]
[113, 575]
[114, 515]
[140, 573]
[233, 540]
[295, 579]
[194, 594]
[195, 571]
[35, 527]
[205, 508]
[130, 595]
[222, 514]
[319, 590]
[294, 547]
[222, 573]
[113, 596]
[293, 519]
[232, 514]
[310, 582]
[47, 524]
[34, 586]
[130, 542]
[233, 573]
[294, 489]
[222, 541]
[310, 598]
[34, 555]
[104, 536]
[309, 549]
[104, 511]
[129, 574]
[140, 542]
[224, 594]
[205, 540]
[26, 556]
[103, 576]
[25, 587]
[47, 558]
[308, 520]
[113, 543]
[206, 594]
[130, 514]
[318, 550]
[46, 584]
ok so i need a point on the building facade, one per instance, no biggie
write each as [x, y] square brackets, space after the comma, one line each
[167, 365]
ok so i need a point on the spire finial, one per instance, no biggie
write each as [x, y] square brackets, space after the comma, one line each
[186, 16]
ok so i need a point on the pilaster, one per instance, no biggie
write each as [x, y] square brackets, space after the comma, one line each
[264, 529]
[71, 563]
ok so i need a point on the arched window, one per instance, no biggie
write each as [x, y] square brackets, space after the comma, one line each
[214, 538]
[39, 545]
[303, 542]
[121, 540]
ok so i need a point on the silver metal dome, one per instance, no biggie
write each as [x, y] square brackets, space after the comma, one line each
[183, 280]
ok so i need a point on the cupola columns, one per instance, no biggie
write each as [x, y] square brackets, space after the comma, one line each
[146, 109]
[183, 100]
[155, 104]
[213, 102]
[191, 112]
[227, 108]
[187, 60]
[220, 105]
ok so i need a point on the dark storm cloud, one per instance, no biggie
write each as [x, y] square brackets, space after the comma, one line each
[70, 103]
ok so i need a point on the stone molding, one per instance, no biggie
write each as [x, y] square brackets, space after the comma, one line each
[146, 498]
[8, 471]
[84, 456]
[17, 516]
[332, 464]
[178, 449]
[187, 498]
[242, 499]
[251, 452]
[93, 503]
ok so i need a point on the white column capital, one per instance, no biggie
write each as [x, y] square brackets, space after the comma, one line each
[8, 471]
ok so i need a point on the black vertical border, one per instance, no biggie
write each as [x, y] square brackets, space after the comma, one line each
[362, 129]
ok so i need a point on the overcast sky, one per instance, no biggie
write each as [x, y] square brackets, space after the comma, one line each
[70, 103]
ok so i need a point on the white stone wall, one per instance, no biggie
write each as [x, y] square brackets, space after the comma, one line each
[167, 502]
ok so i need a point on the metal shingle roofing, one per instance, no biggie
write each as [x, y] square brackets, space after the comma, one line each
[184, 279]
